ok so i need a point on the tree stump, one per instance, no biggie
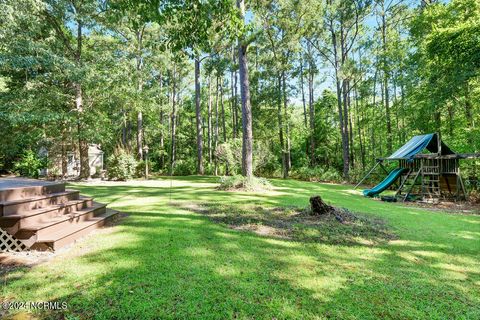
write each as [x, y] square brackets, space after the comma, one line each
[318, 207]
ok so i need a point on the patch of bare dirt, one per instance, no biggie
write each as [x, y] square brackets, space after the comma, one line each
[459, 207]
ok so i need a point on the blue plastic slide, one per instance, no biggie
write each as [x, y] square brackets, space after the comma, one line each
[387, 182]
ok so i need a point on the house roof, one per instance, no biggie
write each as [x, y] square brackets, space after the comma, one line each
[419, 144]
[94, 149]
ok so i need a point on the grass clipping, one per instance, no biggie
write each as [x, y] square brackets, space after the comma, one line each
[292, 223]
[241, 183]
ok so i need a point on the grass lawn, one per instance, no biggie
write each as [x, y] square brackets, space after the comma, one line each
[166, 261]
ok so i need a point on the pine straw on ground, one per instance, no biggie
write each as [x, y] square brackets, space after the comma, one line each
[343, 227]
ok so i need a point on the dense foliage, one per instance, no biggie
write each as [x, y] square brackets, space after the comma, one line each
[333, 84]
[29, 164]
[121, 166]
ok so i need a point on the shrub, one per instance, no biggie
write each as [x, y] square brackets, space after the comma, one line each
[184, 167]
[29, 165]
[229, 154]
[121, 165]
[238, 182]
[331, 175]
[474, 197]
[264, 160]
[140, 169]
[317, 174]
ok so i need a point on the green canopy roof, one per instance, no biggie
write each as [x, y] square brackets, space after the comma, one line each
[420, 143]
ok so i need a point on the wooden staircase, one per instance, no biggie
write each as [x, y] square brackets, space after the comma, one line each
[47, 216]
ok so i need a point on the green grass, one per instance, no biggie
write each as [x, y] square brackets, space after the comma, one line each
[165, 261]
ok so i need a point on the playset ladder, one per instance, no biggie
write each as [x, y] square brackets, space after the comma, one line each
[409, 182]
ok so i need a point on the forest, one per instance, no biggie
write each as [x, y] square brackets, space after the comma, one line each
[308, 89]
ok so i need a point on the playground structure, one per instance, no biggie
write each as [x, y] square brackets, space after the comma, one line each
[427, 170]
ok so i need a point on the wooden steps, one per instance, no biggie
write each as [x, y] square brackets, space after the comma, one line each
[48, 217]
[43, 201]
[66, 236]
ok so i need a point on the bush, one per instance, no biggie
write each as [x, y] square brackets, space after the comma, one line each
[185, 167]
[238, 182]
[264, 160]
[230, 154]
[331, 175]
[29, 165]
[121, 165]
[474, 197]
[140, 169]
[317, 174]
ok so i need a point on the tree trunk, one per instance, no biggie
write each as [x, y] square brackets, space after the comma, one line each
[247, 143]
[162, 141]
[209, 111]
[224, 127]
[64, 152]
[345, 95]
[287, 125]
[450, 120]
[198, 113]
[140, 135]
[161, 120]
[350, 126]
[311, 109]
[280, 128]
[303, 95]
[124, 128]
[129, 134]
[385, 83]
[173, 122]
[469, 116]
[342, 120]
[139, 60]
[359, 130]
[403, 133]
[82, 143]
[374, 105]
[382, 98]
[215, 136]
[222, 110]
[235, 95]
[304, 104]
[233, 83]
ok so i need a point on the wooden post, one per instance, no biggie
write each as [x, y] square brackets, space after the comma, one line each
[403, 182]
[459, 179]
[369, 172]
[439, 149]
[386, 171]
[413, 184]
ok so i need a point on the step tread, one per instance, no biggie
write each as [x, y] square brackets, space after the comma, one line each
[46, 196]
[52, 237]
[35, 212]
[62, 218]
